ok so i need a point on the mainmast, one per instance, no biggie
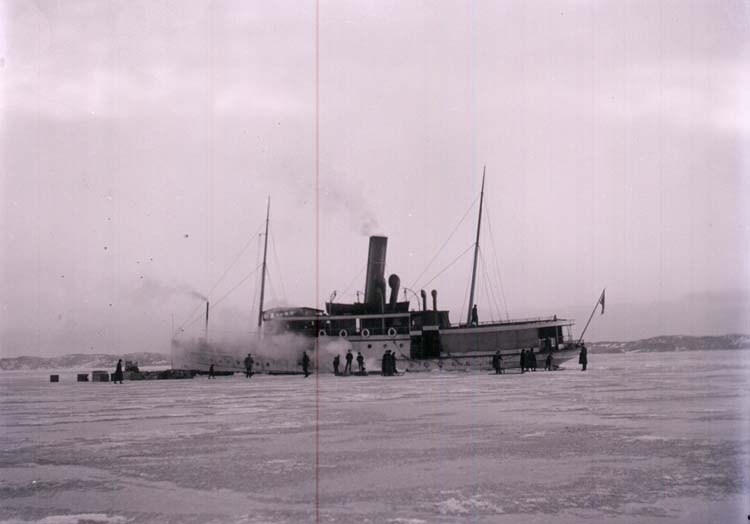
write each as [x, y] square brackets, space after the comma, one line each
[263, 274]
[476, 251]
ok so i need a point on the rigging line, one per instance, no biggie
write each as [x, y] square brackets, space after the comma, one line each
[497, 265]
[349, 285]
[450, 264]
[278, 265]
[488, 285]
[466, 299]
[216, 284]
[487, 293]
[235, 261]
[185, 323]
[416, 280]
[491, 288]
[271, 289]
[221, 299]
[258, 262]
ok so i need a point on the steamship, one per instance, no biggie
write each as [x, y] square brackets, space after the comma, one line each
[423, 338]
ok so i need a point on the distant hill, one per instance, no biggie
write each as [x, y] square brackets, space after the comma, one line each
[673, 343]
[82, 361]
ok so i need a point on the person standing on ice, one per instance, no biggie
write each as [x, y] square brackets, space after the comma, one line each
[548, 363]
[386, 363]
[497, 362]
[360, 362]
[211, 373]
[305, 364]
[249, 366]
[523, 360]
[394, 371]
[349, 358]
[336, 361]
[118, 372]
[583, 357]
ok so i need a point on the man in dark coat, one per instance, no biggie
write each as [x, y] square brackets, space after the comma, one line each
[305, 364]
[211, 371]
[385, 365]
[336, 361]
[118, 372]
[249, 366]
[523, 360]
[496, 363]
[583, 357]
[531, 359]
[548, 363]
[349, 358]
[393, 369]
[360, 362]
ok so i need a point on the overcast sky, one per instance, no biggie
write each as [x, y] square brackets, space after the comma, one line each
[141, 140]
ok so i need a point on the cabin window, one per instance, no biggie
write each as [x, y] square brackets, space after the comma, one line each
[369, 346]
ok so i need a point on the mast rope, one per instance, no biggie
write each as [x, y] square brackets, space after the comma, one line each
[257, 275]
[489, 289]
[185, 323]
[221, 299]
[466, 299]
[276, 259]
[497, 264]
[349, 285]
[416, 280]
[450, 264]
[274, 297]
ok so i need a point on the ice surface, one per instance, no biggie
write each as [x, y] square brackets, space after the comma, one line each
[648, 437]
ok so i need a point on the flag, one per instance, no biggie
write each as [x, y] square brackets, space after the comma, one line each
[601, 300]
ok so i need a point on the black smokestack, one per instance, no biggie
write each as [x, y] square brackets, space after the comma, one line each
[395, 284]
[424, 299]
[434, 300]
[376, 272]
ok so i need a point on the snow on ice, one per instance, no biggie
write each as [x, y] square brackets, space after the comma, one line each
[648, 437]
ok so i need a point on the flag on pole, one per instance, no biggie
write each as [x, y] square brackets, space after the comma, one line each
[601, 300]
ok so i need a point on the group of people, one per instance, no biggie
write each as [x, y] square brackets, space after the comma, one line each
[528, 361]
[348, 367]
[389, 363]
[388, 366]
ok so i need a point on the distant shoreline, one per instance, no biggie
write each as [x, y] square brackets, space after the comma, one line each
[82, 361]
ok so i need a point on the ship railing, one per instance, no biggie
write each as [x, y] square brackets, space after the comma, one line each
[553, 318]
[365, 331]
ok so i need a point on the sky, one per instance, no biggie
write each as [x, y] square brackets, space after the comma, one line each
[140, 143]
